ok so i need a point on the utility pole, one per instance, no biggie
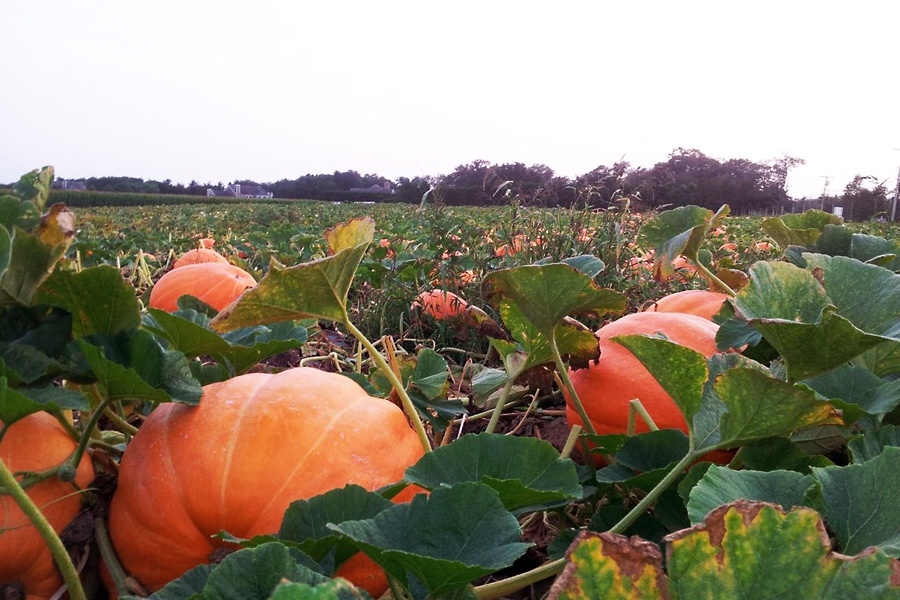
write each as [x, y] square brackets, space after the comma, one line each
[896, 194]
[827, 178]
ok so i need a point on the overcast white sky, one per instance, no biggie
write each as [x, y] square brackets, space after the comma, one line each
[217, 91]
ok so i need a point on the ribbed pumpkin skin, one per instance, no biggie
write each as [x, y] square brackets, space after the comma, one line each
[35, 443]
[607, 387]
[217, 284]
[701, 303]
[198, 256]
[253, 445]
[440, 304]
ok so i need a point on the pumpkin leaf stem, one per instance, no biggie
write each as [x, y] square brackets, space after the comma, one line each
[641, 507]
[42, 525]
[116, 572]
[501, 403]
[635, 408]
[562, 370]
[397, 384]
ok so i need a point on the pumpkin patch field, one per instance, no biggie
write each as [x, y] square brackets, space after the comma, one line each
[312, 400]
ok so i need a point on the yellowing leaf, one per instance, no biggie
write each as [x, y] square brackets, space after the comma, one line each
[354, 232]
[607, 565]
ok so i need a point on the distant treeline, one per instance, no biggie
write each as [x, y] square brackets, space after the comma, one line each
[687, 177]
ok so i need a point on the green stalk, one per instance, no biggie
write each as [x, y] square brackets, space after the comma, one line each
[504, 587]
[711, 277]
[116, 572]
[563, 372]
[501, 404]
[382, 364]
[571, 441]
[651, 497]
[97, 413]
[57, 550]
[635, 407]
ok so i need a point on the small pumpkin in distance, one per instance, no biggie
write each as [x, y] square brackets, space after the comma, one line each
[702, 303]
[35, 443]
[440, 304]
[235, 462]
[216, 284]
[607, 387]
[197, 256]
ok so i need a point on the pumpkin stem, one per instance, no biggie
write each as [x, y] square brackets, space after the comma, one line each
[711, 277]
[501, 403]
[562, 370]
[651, 497]
[397, 384]
[66, 568]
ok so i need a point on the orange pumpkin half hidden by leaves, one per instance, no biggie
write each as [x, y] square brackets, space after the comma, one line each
[216, 284]
[608, 386]
[35, 443]
[440, 304]
[702, 303]
[236, 461]
[197, 256]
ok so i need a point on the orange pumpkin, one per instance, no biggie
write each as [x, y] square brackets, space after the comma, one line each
[217, 284]
[197, 256]
[701, 303]
[440, 304]
[35, 443]
[235, 462]
[608, 386]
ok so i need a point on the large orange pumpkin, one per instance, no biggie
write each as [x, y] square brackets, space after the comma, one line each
[217, 284]
[237, 460]
[701, 303]
[199, 256]
[607, 387]
[36, 443]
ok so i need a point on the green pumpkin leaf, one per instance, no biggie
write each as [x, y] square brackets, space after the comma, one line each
[759, 406]
[99, 299]
[254, 573]
[525, 472]
[402, 538]
[794, 313]
[15, 212]
[190, 585]
[30, 262]
[316, 289]
[679, 231]
[860, 502]
[133, 367]
[872, 443]
[757, 550]
[18, 403]
[646, 458]
[34, 187]
[857, 387]
[430, 374]
[533, 348]
[237, 351]
[305, 522]
[721, 485]
[5, 249]
[546, 294]
[682, 372]
[338, 589]
[777, 453]
[799, 229]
